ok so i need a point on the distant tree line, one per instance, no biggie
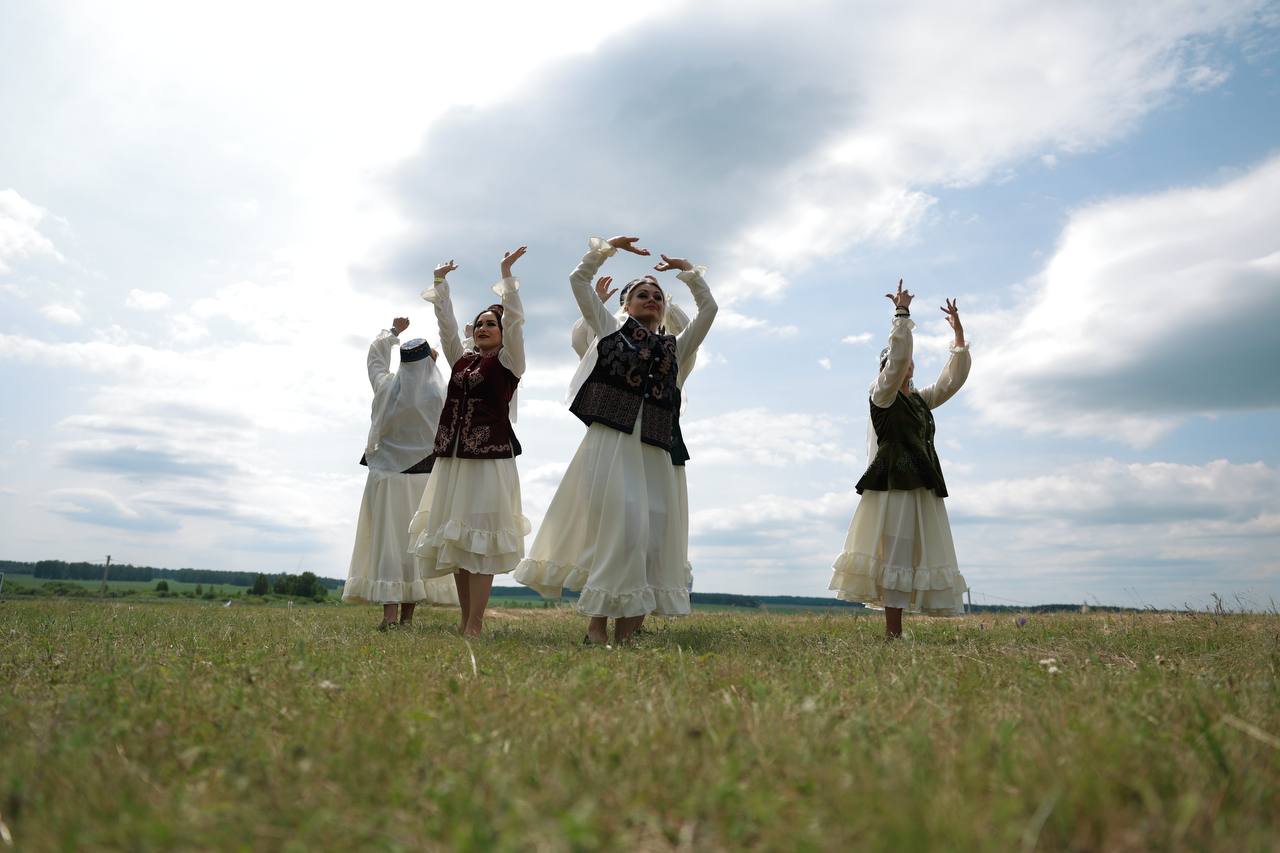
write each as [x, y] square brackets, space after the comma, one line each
[60, 570]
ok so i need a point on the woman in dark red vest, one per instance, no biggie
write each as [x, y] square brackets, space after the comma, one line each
[470, 522]
[898, 553]
[617, 528]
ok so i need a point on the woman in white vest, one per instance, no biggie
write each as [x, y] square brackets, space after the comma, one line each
[617, 527]
[398, 452]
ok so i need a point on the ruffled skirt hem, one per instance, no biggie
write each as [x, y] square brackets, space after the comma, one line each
[453, 547]
[931, 590]
[548, 578]
[373, 591]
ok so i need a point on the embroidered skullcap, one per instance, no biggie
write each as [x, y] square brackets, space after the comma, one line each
[414, 350]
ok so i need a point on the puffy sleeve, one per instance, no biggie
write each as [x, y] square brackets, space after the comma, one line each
[379, 361]
[885, 390]
[950, 380]
[580, 337]
[512, 354]
[688, 341]
[450, 343]
[597, 318]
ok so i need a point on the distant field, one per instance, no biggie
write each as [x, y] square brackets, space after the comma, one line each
[180, 725]
[13, 580]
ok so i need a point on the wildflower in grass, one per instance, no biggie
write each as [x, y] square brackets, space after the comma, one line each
[1022, 621]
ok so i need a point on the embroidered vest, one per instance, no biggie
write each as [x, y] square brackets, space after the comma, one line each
[906, 459]
[475, 422]
[635, 374]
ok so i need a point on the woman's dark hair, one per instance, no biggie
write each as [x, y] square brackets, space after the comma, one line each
[495, 310]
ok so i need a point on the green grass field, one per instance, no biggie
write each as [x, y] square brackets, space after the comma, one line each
[13, 582]
[178, 725]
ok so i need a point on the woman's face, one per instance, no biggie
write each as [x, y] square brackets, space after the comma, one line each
[487, 333]
[646, 302]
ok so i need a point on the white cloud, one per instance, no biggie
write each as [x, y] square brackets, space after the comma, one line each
[64, 314]
[824, 363]
[861, 338]
[1201, 78]
[727, 318]
[20, 235]
[1151, 309]
[145, 300]
[761, 436]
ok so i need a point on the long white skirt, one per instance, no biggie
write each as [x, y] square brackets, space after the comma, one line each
[899, 553]
[617, 529]
[469, 518]
[382, 571]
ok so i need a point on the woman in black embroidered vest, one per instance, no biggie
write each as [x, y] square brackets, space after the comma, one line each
[899, 554]
[470, 522]
[616, 528]
[402, 433]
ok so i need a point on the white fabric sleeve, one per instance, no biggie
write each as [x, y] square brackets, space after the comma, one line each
[885, 390]
[580, 337]
[597, 317]
[450, 343]
[512, 354]
[379, 361]
[950, 380]
[688, 341]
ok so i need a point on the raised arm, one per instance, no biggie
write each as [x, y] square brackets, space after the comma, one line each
[379, 360]
[438, 296]
[512, 354]
[956, 370]
[885, 391]
[580, 334]
[695, 330]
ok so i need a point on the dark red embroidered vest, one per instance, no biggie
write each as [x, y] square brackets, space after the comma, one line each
[475, 422]
[635, 374]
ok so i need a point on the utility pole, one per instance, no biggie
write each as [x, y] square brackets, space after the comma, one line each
[968, 593]
[105, 567]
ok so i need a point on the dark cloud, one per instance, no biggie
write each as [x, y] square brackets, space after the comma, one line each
[103, 510]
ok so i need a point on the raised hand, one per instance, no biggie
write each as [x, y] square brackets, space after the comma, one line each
[602, 288]
[509, 258]
[628, 244]
[902, 299]
[399, 324]
[672, 264]
[953, 319]
[445, 268]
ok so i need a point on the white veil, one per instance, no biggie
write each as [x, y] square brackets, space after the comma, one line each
[406, 410]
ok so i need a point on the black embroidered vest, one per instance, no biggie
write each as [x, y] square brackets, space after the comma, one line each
[476, 422]
[906, 459]
[635, 374]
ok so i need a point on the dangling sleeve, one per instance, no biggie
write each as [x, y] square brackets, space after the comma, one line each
[950, 380]
[885, 389]
[512, 354]
[580, 337]
[450, 343]
[695, 332]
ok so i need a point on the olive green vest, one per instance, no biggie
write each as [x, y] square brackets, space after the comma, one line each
[906, 459]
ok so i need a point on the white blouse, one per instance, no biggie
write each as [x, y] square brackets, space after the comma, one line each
[511, 356]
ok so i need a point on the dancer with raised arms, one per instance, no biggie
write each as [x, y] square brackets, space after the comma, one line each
[898, 553]
[469, 523]
[398, 453]
[617, 527]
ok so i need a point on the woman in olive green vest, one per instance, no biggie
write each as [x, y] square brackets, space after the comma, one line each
[898, 554]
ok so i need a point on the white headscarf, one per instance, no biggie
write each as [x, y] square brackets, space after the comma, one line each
[406, 410]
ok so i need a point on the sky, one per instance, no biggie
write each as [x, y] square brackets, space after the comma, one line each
[208, 212]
